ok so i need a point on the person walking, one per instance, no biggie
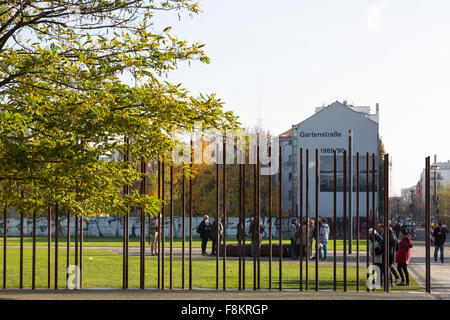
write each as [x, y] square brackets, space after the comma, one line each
[293, 228]
[204, 229]
[311, 235]
[397, 229]
[439, 235]
[154, 234]
[253, 233]
[403, 256]
[302, 238]
[213, 234]
[324, 232]
[377, 250]
[393, 247]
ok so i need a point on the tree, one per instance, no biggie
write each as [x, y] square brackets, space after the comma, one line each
[65, 101]
[443, 203]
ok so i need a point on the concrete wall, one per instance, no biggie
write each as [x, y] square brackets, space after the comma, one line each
[113, 226]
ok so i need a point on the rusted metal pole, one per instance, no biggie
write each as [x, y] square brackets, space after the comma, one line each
[317, 219]
[386, 223]
[239, 230]
[68, 246]
[191, 211]
[345, 220]
[21, 251]
[373, 210]
[334, 218]
[5, 234]
[76, 249]
[142, 225]
[270, 221]
[81, 251]
[171, 228]
[224, 182]
[163, 225]
[159, 226]
[301, 219]
[357, 221]
[217, 245]
[367, 212]
[280, 202]
[258, 202]
[183, 228]
[427, 226]
[254, 232]
[243, 219]
[56, 244]
[49, 247]
[125, 229]
[33, 267]
[307, 220]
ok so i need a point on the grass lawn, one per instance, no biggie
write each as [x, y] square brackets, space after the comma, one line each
[135, 242]
[103, 269]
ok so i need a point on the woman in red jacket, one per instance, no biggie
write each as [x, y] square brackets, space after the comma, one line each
[403, 256]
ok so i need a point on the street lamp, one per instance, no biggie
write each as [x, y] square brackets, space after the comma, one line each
[435, 168]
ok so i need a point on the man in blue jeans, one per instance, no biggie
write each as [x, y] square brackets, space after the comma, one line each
[324, 232]
[439, 241]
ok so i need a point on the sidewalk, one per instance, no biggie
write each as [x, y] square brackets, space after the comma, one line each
[440, 272]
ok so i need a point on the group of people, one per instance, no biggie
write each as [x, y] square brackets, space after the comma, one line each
[399, 252]
[208, 230]
[303, 234]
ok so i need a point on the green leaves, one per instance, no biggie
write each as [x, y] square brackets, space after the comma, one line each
[68, 100]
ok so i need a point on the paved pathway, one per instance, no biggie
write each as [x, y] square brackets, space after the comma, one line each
[440, 272]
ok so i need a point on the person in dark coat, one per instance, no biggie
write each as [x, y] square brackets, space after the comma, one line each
[253, 233]
[397, 229]
[439, 241]
[204, 229]
[393, 247]
[213, 234]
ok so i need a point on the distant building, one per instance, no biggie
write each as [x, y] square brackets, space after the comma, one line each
[442, 176]
[327, 130]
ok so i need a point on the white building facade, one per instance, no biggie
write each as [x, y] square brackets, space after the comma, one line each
[328, 130]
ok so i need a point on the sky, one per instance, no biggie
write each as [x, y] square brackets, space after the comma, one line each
[282, 59]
